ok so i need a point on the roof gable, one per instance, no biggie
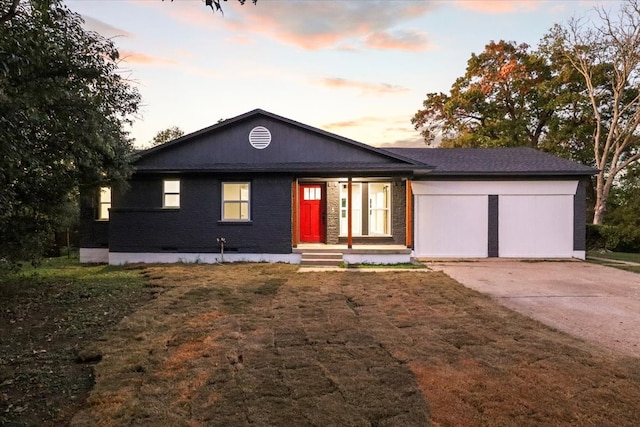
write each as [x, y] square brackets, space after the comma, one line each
[226, 146]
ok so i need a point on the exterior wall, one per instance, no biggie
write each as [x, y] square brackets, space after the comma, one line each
[399, 212]
[139, 224]
[528, 219]
[333, 213]
[93, 233]
[579, 218]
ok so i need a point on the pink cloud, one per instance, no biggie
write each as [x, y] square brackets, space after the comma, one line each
[364, 87]
[315, 25]
[144, 59]
[499, 6]
[362, 121]
[400, 40]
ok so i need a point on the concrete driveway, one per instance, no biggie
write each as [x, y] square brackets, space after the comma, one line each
[596, 303]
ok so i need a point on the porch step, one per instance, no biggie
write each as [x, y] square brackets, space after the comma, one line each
[321, 258]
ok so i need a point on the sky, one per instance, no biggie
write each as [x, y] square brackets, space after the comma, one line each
[357, 68]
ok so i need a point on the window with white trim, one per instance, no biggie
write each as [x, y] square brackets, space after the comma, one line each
[104, 203]
[235, 201]
[171, 193]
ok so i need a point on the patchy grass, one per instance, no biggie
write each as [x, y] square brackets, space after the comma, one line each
[619, 256]
[619, 260]
[398, 266]
[252, 344]
[48, 317]
[263, 345]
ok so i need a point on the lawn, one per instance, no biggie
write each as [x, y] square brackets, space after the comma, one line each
[619, 260]
[244, 345]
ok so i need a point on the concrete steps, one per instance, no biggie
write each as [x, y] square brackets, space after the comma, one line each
[325, 259]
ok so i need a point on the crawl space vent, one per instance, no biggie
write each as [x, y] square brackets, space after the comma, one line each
[260, 137]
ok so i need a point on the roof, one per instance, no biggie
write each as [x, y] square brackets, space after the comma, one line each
[511, 161]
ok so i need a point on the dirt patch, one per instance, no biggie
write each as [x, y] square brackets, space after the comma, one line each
[253, 345]
[50, 319]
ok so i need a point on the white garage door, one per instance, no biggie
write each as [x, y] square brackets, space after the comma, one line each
[535, 226]
[535, 218]
[451, 226]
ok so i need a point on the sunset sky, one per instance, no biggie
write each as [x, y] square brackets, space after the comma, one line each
[358, 68]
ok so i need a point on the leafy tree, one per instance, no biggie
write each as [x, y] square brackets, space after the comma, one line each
[166, 135]
[63, 107]
[509, 96]
[607, 57]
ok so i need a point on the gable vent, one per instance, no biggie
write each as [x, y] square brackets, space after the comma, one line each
[260, 137]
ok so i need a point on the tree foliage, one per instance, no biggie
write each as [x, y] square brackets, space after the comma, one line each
[63, 108]
[607, 57]
[576, 95]
[167, 135]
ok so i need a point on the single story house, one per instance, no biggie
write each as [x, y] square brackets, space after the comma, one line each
[268, 188]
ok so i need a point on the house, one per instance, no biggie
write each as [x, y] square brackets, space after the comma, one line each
[268, 188]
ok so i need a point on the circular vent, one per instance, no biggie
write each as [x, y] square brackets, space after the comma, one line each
[260, 137]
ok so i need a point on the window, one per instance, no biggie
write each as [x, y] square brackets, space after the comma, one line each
[104, 203]
[235, 201]
[171, 193]
[371, 209]
[379, 202]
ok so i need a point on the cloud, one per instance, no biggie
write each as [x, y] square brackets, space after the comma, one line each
[364, 87]
[499, 6]
[104, 29]
[414, 142]
[409, 40]
[144, 59]
[313, 25]
[362, 121]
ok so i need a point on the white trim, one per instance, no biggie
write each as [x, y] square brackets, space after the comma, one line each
[119, 258]
[94, 255]
[568, 187]
[580, 255]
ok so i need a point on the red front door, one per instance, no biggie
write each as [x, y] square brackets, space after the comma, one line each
[312, 215]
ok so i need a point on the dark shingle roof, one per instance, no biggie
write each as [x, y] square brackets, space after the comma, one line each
[521, 161]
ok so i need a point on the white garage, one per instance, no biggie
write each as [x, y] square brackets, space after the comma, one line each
[527, 219]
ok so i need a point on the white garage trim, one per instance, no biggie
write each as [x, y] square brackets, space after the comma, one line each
[568, 187]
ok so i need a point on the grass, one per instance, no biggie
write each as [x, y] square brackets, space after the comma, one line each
[615, 259]
[50, 315]
[399, 266]
[262, 344]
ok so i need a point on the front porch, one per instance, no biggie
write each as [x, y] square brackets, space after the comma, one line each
[334, 254]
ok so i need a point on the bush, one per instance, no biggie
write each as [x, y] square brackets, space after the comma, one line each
[616, 238]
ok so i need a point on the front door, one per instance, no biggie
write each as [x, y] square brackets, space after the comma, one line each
[312, 213]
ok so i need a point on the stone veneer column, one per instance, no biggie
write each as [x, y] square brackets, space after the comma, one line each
[333, 212]
[398, 212]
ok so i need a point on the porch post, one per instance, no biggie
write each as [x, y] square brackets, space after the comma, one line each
[294, 210]
[409, 215]
[349, 233]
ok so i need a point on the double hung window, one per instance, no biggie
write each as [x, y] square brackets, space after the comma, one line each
[235, 201]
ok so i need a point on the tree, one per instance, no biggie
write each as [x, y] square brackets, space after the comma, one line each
[607, 57]
[166, 135]
[63, 108]
[509, 96]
